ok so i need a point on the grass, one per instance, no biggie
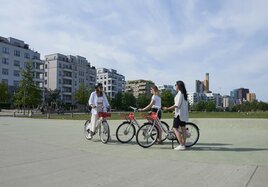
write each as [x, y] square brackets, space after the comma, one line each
[118, 116]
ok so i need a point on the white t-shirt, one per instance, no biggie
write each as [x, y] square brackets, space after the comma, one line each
[181, 107]
[157, 101]
[100, 104]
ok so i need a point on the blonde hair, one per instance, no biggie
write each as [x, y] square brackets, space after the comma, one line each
[155, 89]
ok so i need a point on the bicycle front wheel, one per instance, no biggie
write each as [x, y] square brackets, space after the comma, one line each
[192, 134]
[147, 135]
[125, 132]
[104, 132]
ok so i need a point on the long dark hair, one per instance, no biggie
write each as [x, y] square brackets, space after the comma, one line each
[182, 88]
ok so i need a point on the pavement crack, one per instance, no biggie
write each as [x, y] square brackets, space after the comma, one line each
[250, 178]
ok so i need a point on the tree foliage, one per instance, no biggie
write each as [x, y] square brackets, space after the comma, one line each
[4, 96]
[128, 99]
[143, 100]
[28, 93]
[167, 98]
[82, 95]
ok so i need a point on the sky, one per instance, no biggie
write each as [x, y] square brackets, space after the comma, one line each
[159, 40]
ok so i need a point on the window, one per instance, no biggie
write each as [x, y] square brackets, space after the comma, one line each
[59, 73]
[16, 73]
[5, 81]
[16, 63]
[5, 60]
[45, 74]
[5, 71]
[5, 50]
[27, 55]
[16, 83]
[59, 65]
[59, 81]
[46, 66]
[17, 53]
[45, 82]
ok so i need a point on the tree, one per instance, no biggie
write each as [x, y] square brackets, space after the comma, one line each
[82, 95]
[143, 100]
[53, 98]
[4, 96]
[28, 93]
[210, 106]
[167, 99]
[117, 101]
[128, 99]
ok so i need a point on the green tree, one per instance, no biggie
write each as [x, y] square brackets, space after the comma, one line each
[4, 96]
[210, 106]
[167, 99]
[128, 99]
[82, 95]
[53, 98]
[117, 101]
[143, 100]
[28, 93]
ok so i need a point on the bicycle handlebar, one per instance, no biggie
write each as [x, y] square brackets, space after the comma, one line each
[133, 108]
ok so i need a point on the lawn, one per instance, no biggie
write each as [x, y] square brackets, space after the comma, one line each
[118, 116]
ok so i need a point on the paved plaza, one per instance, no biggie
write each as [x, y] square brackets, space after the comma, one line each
[34, 152]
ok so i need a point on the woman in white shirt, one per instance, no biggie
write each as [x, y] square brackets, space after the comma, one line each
[181, 114]
[99, 103]
[155, 106]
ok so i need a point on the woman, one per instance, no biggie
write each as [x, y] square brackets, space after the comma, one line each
[181, 114]
[99, 103]
[155, 106]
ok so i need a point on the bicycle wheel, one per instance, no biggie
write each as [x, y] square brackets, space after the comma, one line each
[164, 131]
[192, 132]
[86, 132]
[147, 135]
[125, 132]
[104, 132]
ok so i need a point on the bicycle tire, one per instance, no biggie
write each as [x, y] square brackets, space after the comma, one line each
[85, 129]
[194, 132]
[123, 130]
[144, 139]
[104, 132]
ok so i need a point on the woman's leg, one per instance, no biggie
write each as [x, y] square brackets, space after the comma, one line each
[93, 123]
[179, 136]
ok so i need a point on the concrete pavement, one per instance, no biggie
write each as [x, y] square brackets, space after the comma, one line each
[34, 152]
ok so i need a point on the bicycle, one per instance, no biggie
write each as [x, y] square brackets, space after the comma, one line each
[148, 133]
[102, 127]
[127, 129]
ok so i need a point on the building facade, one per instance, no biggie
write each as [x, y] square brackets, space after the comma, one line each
[14, 56]
[170, 88]
[138, 87]
[112, 81]
[193, 97]
[239, 95]
[202, 86]
[227, 101]
[251, 97]
[66, 72]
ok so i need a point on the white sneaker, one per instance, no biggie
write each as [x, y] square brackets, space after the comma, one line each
[89, 136]
[180, 148]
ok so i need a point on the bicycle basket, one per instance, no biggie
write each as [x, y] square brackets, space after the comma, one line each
[104, 114]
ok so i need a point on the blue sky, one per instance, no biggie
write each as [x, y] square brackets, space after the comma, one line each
[160, 40]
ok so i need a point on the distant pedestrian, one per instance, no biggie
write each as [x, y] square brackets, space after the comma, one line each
[181, 114]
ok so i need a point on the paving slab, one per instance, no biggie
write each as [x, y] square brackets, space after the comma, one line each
[41, 152]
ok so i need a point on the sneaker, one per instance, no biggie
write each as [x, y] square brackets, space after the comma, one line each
[89, 136]
[180, 148]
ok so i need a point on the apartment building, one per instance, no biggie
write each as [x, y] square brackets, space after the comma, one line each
[66, 72]
[14, 55]
[251, 97]
[112, 81]
[138, 87]
[192, 97]
[170, 88]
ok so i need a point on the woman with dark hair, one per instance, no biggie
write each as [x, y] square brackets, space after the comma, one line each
[181, 114]
[98, 103]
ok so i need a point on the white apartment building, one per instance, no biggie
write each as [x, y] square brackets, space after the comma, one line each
[112, 82]
[15, 54]
[192, 97]
[170, 88]
[66, 72]
[227, 101]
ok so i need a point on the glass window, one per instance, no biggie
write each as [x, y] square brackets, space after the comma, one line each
[5, 71]
[5, 50]
[5, 60]
[16, 53]
[17, 63]
[16, 73]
